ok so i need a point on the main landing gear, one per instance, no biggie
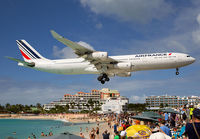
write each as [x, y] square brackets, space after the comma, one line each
[177, 69]
[103, 78]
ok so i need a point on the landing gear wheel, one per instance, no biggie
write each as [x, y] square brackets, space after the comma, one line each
[105, 76]
[107, 79]
[100, 78]
[102, 81]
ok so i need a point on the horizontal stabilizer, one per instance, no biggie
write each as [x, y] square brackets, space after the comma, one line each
[32, 64]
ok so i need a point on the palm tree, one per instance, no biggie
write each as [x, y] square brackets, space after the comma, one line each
[91, 102]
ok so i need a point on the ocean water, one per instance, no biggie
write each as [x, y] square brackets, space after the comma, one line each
[22, 129]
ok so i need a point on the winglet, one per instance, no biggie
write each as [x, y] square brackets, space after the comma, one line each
[55, 35]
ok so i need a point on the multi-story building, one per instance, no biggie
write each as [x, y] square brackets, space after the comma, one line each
[172, 101]
[116, 105]
[80, 100]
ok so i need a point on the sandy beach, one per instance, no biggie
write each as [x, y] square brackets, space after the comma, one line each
[102, 127]
[73, 118]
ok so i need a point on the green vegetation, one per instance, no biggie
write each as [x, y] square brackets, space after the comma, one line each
[138, 107]
[19, 108]
[92, 106]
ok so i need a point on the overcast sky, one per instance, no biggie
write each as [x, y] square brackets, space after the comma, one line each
[116, 26]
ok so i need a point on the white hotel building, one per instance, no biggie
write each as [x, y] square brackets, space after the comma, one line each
[80, 99]
[115, 105]
[172, 101]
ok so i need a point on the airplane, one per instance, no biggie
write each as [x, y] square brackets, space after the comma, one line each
[90, 61]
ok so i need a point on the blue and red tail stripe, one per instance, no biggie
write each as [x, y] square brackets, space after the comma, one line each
[26, 51]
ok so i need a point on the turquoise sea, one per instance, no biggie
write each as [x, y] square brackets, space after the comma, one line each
[22, 129]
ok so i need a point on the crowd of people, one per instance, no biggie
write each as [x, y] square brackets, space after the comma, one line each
[184, 124]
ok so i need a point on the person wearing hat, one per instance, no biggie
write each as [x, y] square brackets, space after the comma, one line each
[192, 130]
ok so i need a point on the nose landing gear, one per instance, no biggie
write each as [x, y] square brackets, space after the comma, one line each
[103, 78]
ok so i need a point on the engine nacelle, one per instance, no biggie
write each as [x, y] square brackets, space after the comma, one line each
[99, 55]
[126, 74]
[126, 66]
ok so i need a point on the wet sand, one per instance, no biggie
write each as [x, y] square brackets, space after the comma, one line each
[102, 127]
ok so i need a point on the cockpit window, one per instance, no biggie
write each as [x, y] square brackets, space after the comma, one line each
[188, 56]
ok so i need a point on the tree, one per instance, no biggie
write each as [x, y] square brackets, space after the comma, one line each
[88, 106]
[8, 106]
[137, 107]
[66, 108]
[38, 105]
[161, 105]
[2, 108]
[90, 102]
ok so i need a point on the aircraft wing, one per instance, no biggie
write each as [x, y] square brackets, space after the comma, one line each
[78, 49]
[87, 54]
[32, 64]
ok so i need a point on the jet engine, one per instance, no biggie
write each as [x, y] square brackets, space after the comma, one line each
[99, 55]
[125, 66]
[125, 74]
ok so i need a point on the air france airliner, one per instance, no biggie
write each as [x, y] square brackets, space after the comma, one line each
[90, 61]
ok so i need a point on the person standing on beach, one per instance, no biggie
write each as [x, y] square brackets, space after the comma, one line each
[193, 129]
[86, 129]
[92, 134]
[97, 132]
[115, 127]
[106, 135]
[117, 135]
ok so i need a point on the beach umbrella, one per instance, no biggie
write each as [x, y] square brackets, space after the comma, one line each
[144, 118]
[152, 115]
[138, 131]
[170, 110]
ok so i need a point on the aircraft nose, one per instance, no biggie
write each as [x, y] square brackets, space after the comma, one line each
[193, 59]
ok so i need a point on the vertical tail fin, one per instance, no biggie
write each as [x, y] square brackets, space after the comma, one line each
[28, 52]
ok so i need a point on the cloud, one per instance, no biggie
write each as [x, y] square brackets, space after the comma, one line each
[141, 11]
[26, 92]
[137, 99]
[63, 53]
[67, 52]
[196, 33]
[86, 45]
[172, 43]
[99, 25]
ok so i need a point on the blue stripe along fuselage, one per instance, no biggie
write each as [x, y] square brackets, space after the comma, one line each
[28, 49]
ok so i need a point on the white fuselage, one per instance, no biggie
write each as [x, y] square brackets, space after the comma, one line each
[138, 62]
